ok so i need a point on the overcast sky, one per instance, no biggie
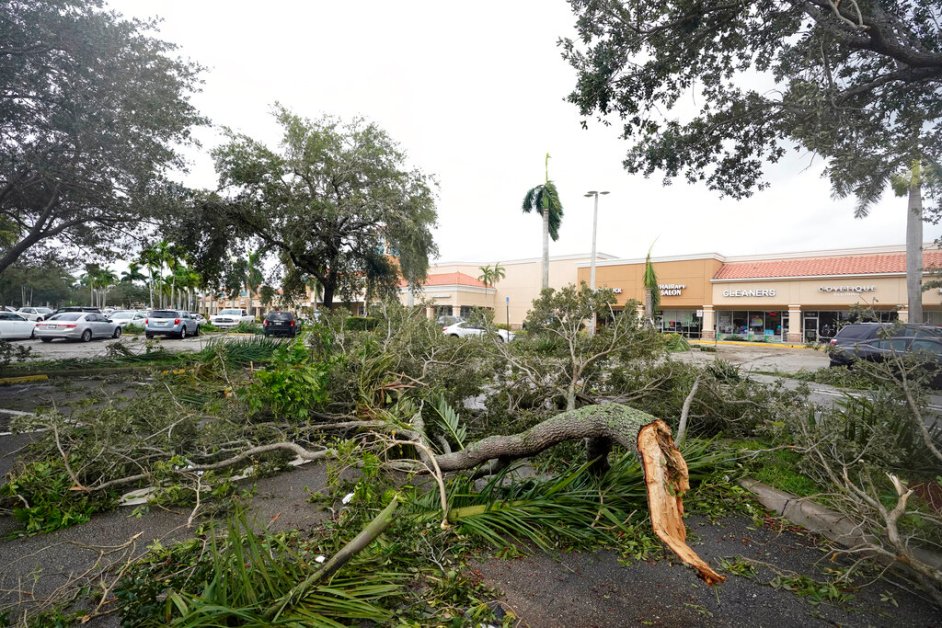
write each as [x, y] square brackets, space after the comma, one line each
[474, 93]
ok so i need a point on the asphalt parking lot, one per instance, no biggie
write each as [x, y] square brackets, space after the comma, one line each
[62, 349]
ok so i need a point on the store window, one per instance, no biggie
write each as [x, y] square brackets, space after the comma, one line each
[684, 322]
[750, 325]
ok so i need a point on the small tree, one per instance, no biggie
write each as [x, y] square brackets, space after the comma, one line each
[558, 348]
[652, 292]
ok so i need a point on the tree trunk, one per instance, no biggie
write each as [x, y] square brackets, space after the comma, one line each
[545, 248]
[665, 471]
[914, 251]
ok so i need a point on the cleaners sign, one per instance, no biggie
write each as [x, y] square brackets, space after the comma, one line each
[767, 292]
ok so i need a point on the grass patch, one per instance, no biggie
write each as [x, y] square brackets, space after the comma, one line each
[778, 468]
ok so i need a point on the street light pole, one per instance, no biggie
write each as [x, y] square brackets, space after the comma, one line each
[595, 225]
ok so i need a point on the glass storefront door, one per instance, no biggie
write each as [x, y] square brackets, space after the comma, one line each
[811, 327]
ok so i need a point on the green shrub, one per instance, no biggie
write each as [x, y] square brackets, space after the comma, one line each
[675, 342]
[292, 385]
[132, 329]
[247, 328]
[360, 323]
[208, 327]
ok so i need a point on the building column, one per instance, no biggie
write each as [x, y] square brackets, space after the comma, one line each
[903, 314]
[456, 310]
[430, 312]
[794, 324]
[708, 328]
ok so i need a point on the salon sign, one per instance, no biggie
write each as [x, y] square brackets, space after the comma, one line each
[671, 289]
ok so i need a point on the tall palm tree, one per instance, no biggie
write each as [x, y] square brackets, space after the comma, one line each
[133, 273]
[652, 292]
[910, 183]
[490, 275]
[544, 199]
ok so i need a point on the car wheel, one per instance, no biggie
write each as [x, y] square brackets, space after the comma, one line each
[46, 339]
[86, 335]
[455, 336]
[32, 334]
[148, 335]
[117, 332]
[197, 332]
[182, 332]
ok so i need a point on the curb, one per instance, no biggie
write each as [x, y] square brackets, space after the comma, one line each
[821, 520]
[737, 343]
[23, 379]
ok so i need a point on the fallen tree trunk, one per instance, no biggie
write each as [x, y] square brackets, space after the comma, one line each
[665, 470]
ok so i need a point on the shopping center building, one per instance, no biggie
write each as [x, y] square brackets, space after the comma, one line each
[794, 297]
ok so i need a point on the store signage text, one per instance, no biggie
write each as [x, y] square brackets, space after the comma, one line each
[857, 289]
[616, 290]
[766, 292]
[671, 289]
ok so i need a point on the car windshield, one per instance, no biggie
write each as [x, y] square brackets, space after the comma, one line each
[69, 316]
[164, 314]
[232, 312]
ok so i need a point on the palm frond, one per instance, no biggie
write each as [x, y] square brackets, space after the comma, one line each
[531, 200]
[550, 202]
[450, 421]
[650, 281]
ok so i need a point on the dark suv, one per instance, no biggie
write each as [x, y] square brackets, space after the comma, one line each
[281, 324]
[873, 341]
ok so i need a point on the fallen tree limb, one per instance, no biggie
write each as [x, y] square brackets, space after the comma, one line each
[665, 470]
[366, 536]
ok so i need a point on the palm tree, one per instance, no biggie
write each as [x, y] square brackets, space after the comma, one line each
[133, 273]
[910, 183]
[544, 199]
[489, 276]
[652, 292]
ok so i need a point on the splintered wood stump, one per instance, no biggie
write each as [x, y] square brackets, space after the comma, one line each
[665, 471]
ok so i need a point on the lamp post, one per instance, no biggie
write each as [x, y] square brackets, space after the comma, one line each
[595, 224]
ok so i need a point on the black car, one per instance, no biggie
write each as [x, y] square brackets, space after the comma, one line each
[875, 341]
[281, 324]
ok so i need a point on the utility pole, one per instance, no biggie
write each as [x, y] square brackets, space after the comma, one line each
[595, 225]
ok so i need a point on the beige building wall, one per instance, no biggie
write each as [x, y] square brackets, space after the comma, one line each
[816, 293]
[627, 276]
[521, 283]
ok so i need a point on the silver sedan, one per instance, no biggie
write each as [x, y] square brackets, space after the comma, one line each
[77, 326]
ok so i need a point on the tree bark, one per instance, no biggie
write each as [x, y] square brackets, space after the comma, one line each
[546, 212]
[665, 470]
[914, 251]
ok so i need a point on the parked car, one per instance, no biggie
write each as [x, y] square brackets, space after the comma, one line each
[857, 340]
[464, 329]
[231, 317]
[199, 318]
[446, 320]
[76, 326]
[123, 318]
[281, 324]
[34, 313]
[14, 325]
[170, 323]
[76, 308]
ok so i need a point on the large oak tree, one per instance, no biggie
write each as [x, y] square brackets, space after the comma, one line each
[858, 82]
[92, 110]
[336, 202]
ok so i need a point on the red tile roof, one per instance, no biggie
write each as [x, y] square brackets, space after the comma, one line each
[449, 279]
[824, 266]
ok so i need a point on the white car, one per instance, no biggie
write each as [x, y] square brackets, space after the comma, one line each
[231, 317]
[35, 313]
[123, 318]
[464, 329]
[14, 325]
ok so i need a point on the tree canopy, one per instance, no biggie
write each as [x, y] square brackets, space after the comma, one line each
[92, 109]
[857, 82]
[337, 201]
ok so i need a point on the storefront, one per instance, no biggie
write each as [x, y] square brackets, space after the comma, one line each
[789, 297]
